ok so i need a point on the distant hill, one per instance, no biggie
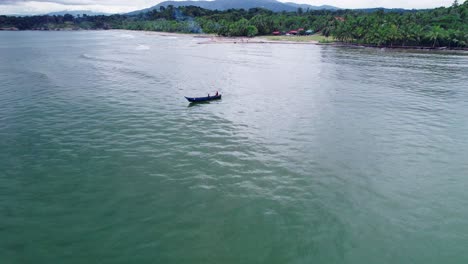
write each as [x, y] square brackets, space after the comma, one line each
[77, 12]
[272, 5]
[311, 7]
[386, 10]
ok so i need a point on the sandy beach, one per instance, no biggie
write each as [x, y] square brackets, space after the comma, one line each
[214, 39]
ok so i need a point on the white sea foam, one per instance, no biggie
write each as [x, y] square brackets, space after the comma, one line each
[142, 47]
[127, 36]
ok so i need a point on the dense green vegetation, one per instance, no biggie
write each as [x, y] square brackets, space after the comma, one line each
[438, 27]
[445, 26]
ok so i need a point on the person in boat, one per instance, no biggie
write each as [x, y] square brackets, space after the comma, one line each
[217, 93]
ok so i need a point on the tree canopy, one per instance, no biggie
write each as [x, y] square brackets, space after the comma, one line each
[444, 26]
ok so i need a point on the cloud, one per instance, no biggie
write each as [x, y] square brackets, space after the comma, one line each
[28, 7]
[62, 2]
[81, 2]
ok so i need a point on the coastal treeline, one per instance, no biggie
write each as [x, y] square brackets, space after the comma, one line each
[440, 27]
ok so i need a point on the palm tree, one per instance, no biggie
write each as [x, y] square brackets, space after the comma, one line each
[435, 34]
[393, 34]
[406, 35]
[418, 33]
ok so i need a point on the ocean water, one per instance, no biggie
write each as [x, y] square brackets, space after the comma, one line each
[315, 154]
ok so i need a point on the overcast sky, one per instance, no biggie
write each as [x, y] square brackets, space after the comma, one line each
[116, 6]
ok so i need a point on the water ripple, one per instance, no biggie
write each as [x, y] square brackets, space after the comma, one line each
[324, 154]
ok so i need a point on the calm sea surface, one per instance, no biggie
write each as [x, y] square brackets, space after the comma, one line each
[315, 154]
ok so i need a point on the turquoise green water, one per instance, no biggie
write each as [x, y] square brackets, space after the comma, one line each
[315, 154]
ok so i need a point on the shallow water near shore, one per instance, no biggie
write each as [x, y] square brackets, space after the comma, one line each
[315, 154]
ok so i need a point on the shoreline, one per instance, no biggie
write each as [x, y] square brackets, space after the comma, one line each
[263, 40]
[215, 39]
[420, 48]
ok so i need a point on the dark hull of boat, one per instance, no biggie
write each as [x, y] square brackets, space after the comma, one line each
[202, 99]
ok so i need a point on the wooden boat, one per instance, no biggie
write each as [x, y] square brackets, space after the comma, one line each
[203, 99]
